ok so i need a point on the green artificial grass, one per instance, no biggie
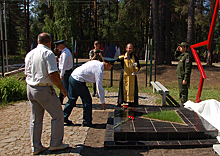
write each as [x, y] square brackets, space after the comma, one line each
[166, 115]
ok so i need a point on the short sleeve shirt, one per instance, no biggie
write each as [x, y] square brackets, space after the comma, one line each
[39, 63]
[91, 72]
[65, 61]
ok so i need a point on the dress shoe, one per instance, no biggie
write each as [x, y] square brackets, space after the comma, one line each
[93, 94]
[68, 122]
[63, 146]
[88, 125]
[41, 150]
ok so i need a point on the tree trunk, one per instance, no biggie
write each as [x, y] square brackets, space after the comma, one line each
[95, 24]
[212, 6]
[161, 54]
[209, 57]
[80, 21]
[200, 29]
[90, 17]
[28, 27]
[25, 16]
[156, 30]
[190, 34]
[109, 19]
[168, 56]
[116, 10]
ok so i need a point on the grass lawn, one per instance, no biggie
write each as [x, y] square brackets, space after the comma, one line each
[166, 115]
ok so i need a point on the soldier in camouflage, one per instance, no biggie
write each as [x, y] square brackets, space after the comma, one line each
[96, 54]
[183, 70]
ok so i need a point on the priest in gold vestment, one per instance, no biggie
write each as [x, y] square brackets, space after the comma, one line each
[128, 86]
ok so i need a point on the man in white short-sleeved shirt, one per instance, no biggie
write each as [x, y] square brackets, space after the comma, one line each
[41, 73]
[65, 66]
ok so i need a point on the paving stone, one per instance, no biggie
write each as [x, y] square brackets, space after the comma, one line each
[15, 128]
[17, 136]
[3, 144]
[9, 140]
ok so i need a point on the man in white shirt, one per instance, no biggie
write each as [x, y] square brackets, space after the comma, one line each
[65, 66]
[90, 72]
[41, 73]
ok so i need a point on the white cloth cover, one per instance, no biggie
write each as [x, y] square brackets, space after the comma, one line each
[218, 137]
[208, 109]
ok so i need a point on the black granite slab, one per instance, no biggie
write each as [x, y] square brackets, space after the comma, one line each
[148, 133]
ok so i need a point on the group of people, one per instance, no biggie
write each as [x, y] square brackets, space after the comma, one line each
[208, 58]
[41, 73]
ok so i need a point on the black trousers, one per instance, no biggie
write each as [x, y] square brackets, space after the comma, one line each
[65, 83]
[94, 87]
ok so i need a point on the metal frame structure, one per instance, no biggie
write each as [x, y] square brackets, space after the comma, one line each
[208, 43]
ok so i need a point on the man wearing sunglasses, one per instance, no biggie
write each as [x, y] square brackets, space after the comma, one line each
[183, 70]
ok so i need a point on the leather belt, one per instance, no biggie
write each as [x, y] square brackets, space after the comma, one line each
[44, 84]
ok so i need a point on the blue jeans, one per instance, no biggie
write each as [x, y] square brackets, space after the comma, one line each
[76, 89]
[65, 83]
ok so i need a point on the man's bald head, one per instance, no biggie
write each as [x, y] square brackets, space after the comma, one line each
[129, 48]
[43, 38]
[129, 44]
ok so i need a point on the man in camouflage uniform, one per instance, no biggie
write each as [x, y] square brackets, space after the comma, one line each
[183, 70]
[96, 54]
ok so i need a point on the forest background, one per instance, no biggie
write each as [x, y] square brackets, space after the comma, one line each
[167, 22]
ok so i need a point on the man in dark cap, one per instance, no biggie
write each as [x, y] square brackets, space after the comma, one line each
[96, 54]
[183, 70]
[65, 66]
[90, 72]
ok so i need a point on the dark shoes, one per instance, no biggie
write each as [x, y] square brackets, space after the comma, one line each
[93, 94]
[88, 125]
[68, 122]
[61, 147]
[41, 150]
